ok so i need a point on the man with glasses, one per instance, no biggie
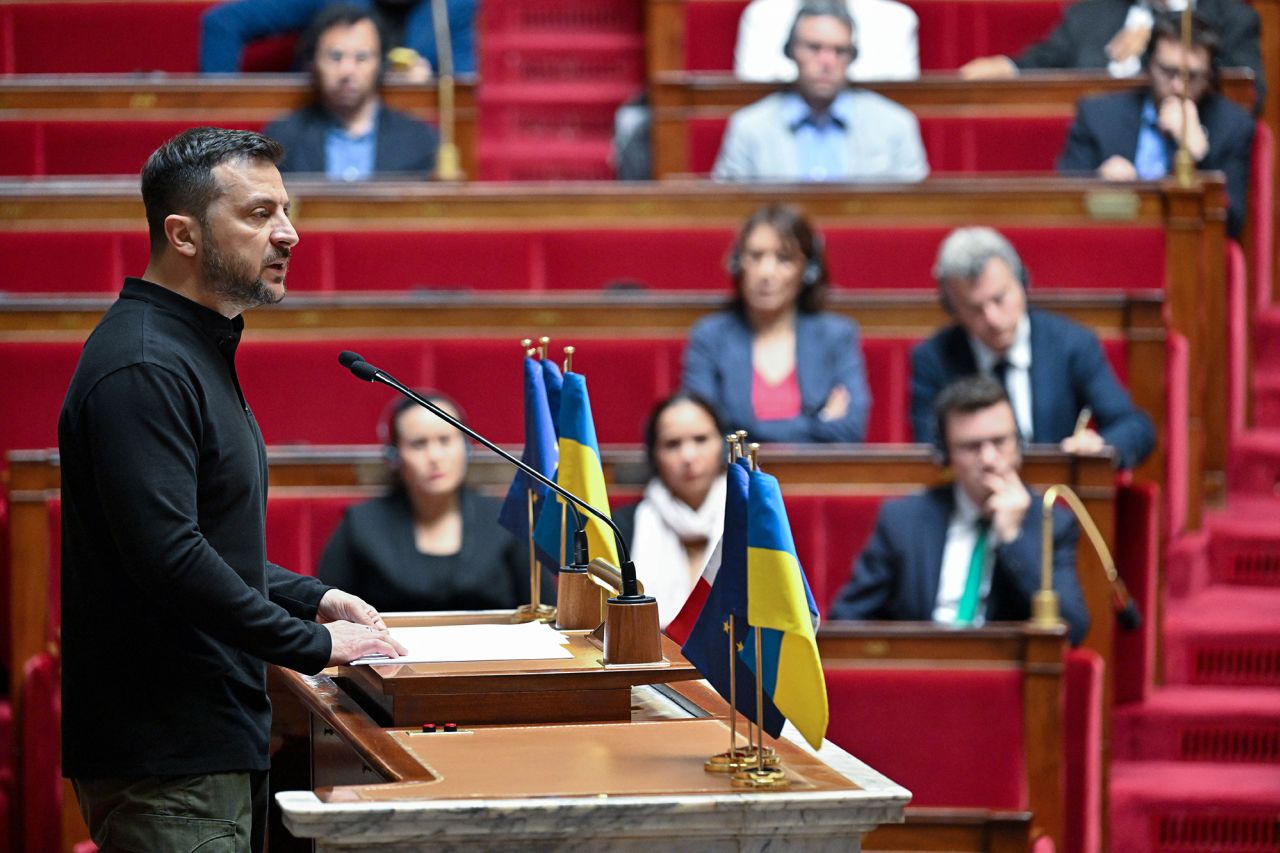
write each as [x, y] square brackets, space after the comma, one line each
[822, 130]
[1133, 136]
[967, 553]
[1053, 369]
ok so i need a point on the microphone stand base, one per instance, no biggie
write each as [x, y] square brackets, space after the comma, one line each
[578, 597]
[631, 633]
[530, 613]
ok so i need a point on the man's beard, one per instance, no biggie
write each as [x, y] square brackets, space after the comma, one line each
[226, 276]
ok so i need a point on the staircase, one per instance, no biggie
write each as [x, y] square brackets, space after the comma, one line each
[553, 72]
[1196, 765]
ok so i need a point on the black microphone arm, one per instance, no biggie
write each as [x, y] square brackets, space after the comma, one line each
[366, 371]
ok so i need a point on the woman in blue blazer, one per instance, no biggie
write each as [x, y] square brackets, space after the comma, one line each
[774, 362]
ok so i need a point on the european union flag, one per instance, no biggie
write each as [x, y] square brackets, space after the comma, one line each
[540, 453]
[708, 645]
[554, 381]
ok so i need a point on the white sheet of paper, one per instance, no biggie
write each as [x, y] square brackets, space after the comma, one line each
[455, 643]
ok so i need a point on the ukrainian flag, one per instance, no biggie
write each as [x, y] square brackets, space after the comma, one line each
[581, 473]
[781, 607]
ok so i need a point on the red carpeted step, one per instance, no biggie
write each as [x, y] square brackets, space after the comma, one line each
[558, 58]
[1266, 340]
[1226, 636]
[1244, 543]
[1217, 724]
[1253, 465]
[1266, 400]
[1186, 564]
[563, 16]
[546, 160]
[1177, 807]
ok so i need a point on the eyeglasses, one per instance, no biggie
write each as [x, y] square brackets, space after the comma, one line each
[841, 51]
[1173, 72]
[1000, 443]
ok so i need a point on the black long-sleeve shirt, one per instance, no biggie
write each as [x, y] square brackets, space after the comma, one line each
[169, 605]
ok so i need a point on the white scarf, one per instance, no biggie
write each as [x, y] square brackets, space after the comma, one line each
[663, 524]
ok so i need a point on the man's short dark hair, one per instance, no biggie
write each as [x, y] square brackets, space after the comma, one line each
[1167, 26]
[336, 15]
[965, 396]
[178, 177]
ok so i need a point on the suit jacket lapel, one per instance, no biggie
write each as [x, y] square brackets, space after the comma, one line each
[808, 359]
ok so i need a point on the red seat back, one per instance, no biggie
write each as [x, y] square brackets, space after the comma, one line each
[78, 38]
[299, 526]
[953, 737]
[1082, 748]
[41, 767]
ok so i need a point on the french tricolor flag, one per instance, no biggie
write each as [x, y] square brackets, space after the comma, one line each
[679, 628]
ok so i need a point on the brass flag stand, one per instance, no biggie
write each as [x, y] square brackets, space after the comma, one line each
[535, 610]
[753, 765]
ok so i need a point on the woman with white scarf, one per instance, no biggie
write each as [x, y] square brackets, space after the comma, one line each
[681, 515]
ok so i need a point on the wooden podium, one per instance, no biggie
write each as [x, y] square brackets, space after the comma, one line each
[546, 754]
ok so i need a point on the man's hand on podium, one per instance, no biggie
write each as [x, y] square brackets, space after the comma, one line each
[355, 628]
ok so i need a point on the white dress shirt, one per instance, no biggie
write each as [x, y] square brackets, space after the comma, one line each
[885, 36]
[1017, 379]
[962, 536]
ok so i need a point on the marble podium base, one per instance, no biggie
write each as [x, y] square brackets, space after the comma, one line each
[791, 820]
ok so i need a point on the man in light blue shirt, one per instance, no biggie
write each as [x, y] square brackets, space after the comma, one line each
[347, 133]
[822, 130]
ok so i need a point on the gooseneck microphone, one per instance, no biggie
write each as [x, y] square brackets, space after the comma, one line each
[630, 588]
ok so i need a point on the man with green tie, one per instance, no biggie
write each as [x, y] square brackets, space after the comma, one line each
[966, 553]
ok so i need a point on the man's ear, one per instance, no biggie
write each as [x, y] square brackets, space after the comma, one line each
[183, 234]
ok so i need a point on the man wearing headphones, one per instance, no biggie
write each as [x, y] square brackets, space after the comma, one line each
[1115, 34]
[966, 553]
[1053, 369]
[1133, 136]
[347, 134]
[822, 130]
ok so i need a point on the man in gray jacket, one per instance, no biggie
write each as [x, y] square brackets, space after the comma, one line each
[822, 130]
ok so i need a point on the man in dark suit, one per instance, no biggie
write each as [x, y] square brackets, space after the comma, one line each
[1132, 136]
[1053, 368]
[1114, 34]
[970, 552]
[347, 134]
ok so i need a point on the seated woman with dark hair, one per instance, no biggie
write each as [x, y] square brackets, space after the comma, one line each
[430, 543]
[774, 362]
[681, 516]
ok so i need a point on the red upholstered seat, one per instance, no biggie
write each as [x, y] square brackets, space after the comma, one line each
[829, 531]
[1082, 745]
[954, 738]
[41, 762]
[81, 147]
[1137, 556]
[61, 38]
[954, 31]
[688, 259]
[299, 526]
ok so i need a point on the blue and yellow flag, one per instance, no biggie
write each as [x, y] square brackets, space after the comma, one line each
[707, 646]
[781, 607]
[540, 453]
[580, 473]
